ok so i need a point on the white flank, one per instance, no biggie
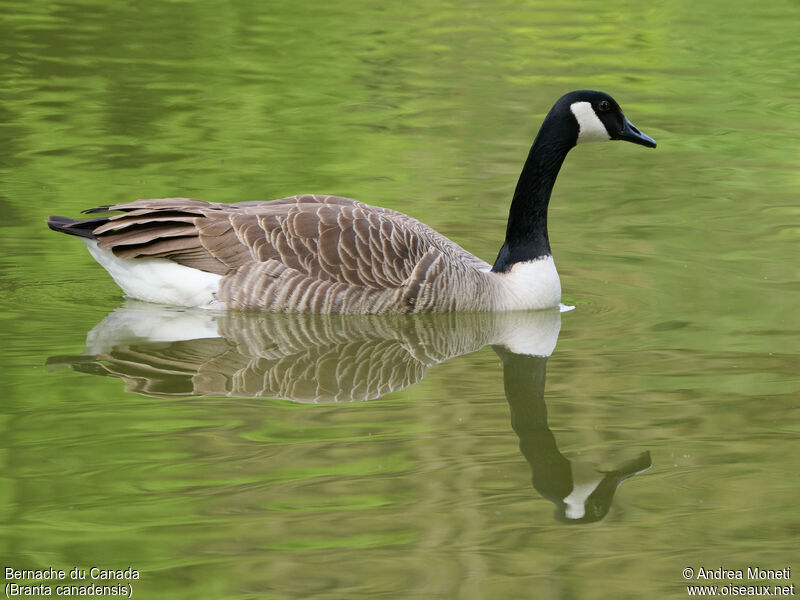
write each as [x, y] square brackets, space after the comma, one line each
[590, 127]
[529, 285]
[158, 279]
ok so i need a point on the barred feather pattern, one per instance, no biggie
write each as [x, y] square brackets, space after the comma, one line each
[305, 254]
[161, 352]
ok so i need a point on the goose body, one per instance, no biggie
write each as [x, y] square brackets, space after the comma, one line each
[328, 254]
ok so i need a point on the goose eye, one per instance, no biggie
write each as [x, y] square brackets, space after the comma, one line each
[603, 106]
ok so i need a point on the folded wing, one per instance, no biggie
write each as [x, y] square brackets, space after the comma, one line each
[326, 238]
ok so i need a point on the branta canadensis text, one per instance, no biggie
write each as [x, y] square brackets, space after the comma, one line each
[327, 254]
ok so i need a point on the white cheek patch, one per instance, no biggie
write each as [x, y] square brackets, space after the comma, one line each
[590, 127]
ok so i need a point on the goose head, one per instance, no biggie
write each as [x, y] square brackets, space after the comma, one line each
[576, 117]
[596, 117]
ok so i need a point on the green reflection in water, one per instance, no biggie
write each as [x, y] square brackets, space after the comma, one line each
[682, 264]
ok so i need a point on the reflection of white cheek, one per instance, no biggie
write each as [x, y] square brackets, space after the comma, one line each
[590, 127]
[576, 501]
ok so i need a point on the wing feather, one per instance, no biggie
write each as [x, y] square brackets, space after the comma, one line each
[319, 238]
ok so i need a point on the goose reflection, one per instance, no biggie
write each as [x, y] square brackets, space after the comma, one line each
[581, 493]
[166, 352]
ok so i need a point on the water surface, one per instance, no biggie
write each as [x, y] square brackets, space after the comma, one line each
[445, 481]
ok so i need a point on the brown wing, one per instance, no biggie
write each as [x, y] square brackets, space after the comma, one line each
[327, 238]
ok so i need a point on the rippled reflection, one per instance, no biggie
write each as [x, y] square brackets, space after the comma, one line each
[160, 351]
[167, 352]
[581, 493]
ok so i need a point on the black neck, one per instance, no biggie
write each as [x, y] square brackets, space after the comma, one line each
[526, 232]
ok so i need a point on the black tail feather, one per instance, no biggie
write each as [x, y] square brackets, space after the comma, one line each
[80, 227]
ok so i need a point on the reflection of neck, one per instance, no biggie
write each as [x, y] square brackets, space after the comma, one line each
[523, 379]
[580, 491]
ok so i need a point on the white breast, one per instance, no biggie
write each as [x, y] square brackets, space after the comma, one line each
[530, 285]
[158, 279]
[534, 333]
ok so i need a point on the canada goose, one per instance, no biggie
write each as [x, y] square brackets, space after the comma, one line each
[327, 254]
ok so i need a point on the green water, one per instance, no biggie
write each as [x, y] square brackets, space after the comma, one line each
[202, 462]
